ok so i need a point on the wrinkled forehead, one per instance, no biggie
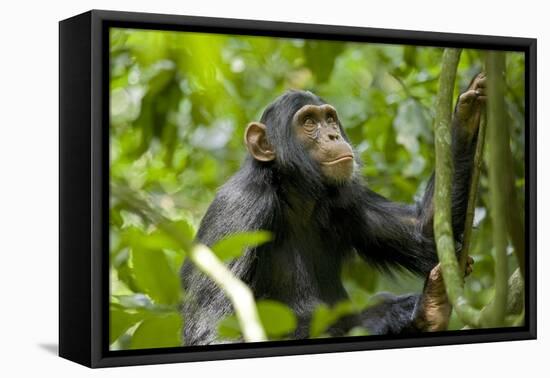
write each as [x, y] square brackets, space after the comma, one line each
[317, 111]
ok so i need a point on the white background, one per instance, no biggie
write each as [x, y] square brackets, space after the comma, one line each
[29, 186]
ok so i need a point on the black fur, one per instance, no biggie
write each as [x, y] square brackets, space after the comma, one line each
[315, 227]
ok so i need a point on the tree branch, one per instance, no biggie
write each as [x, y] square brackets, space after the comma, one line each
[498, 137]
[442, 197]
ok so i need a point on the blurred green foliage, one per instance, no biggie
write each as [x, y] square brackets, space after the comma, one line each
[179, 105]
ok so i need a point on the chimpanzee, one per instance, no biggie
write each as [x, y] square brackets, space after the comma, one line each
[300, 181]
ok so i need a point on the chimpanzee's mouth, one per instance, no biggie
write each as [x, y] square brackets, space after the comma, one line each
[338, 160]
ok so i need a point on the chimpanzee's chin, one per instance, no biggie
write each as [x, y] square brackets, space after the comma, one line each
[338, 174]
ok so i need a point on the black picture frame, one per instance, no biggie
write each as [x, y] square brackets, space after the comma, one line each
[84, 187]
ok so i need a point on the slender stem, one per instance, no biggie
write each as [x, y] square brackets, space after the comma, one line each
[498, 138]
[238, 293]
[442, 197]
[515, 221]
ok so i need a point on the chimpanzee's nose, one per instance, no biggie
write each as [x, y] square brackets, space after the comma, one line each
[333, 135]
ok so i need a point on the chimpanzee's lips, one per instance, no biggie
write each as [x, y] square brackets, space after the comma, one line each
[339, 159]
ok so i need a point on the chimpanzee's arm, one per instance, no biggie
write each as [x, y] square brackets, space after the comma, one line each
[394, 234]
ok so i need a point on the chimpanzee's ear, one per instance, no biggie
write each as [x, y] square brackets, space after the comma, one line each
[256, 142]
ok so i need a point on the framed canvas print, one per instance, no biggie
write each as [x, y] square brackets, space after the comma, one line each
[234, 188]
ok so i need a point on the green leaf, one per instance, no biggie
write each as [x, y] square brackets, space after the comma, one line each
[321, 56]
[154, 275]
[185, 229]
[324, 317]
[156, 240]
[121, 320]
[409, 124]
[358, 331]
[158, 332]
[278, 320]
[228, 328]
[234, 245]
[181, 234]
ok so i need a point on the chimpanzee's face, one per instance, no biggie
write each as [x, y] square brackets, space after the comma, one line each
[318, 129]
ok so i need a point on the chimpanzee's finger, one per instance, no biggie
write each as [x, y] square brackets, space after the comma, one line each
[481, 91]
[481, 82]
[468, 97]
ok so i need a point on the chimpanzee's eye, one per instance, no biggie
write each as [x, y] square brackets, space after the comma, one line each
[309, 121]
[330, 119]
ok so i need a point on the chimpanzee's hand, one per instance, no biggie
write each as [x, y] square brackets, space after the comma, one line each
[436, 308]
[470, 104]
